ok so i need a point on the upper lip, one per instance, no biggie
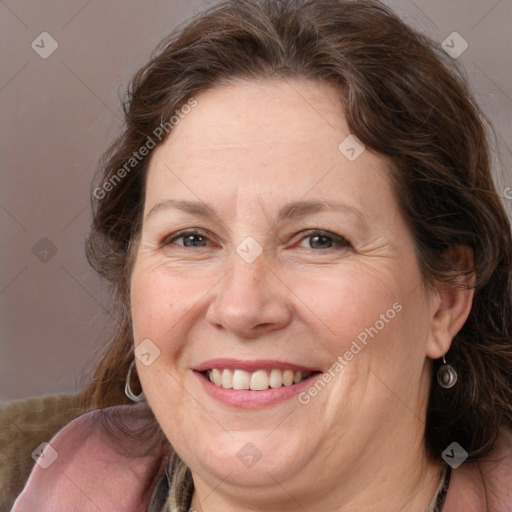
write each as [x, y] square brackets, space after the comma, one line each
[250, 366]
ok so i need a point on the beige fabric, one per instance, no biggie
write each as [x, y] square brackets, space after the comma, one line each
[24, 425]
[180, 485]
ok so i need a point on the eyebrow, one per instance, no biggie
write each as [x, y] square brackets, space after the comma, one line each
[304, 208]
[295, 209]
[197, 208]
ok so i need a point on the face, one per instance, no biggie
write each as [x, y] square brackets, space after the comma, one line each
[271, 258]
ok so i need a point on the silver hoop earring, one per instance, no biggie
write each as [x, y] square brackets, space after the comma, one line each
[128, 391]
[446, 375]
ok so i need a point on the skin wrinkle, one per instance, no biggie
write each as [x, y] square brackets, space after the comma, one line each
[293, 303]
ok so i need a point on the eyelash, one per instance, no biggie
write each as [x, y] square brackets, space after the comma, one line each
[182, 234]
[338, 241]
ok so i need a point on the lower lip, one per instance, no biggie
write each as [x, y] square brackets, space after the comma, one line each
[247, 399]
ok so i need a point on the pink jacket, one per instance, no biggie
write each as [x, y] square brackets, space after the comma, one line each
[91, 474]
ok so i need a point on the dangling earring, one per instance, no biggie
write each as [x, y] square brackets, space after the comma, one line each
[446, 375]
[128, 391]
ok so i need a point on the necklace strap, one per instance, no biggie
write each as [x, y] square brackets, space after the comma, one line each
[437, 503]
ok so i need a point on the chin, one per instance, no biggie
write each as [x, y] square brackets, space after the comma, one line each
[251, 458]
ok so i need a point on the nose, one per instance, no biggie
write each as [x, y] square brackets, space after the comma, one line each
[251, 301]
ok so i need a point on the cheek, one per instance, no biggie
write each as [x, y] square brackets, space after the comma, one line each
[347, 302]
[159, 313]
[367, 322]
[162, 300]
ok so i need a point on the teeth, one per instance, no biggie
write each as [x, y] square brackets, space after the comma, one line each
[227, 379]
[255, 381]
[276, 378]
[259, 380]
[241, 379]
[216, 377]
[287, 378]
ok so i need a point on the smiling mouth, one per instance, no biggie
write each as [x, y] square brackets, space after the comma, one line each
[259, 380]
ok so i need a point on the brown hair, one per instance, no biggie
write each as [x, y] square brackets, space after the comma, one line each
[404, 100]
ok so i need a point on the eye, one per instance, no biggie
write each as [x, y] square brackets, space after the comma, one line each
[319, 239]
[188, 238]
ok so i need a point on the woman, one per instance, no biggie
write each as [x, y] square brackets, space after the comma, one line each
[312, 271]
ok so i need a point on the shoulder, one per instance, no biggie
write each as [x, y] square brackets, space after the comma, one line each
[486, 484]
[99, 460]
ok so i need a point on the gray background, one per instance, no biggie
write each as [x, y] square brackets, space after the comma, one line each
[60, 113]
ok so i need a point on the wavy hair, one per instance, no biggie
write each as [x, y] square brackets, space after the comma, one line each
[404, 99]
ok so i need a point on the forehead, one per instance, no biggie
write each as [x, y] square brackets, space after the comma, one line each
[265, 112]
[277, 139]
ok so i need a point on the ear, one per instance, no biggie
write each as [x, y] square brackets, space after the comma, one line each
[451, 303]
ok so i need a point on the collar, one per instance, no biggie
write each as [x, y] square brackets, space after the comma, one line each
[99, 465]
